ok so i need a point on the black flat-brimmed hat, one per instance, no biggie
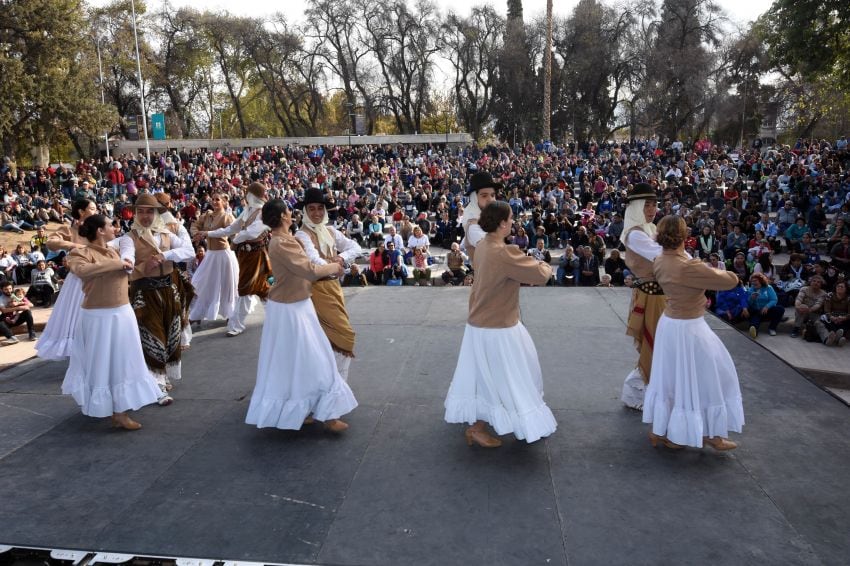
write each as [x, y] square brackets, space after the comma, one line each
[313, 196]
[482, 180]
[642, 191]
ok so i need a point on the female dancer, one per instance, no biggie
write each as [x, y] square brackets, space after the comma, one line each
[498, 378]
[216, 279]
[694, 396]
[56, 342]
[107, 374]
[296, 372]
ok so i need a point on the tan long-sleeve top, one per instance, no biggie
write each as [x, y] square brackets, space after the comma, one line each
[210, 221]
[65, 238]
[293, 272]
[102, 272]
[499, 271]
[685, 281]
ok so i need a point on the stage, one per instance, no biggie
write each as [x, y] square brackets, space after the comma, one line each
[401, 487]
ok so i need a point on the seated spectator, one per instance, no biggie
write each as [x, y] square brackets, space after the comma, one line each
[353, 277]
[731, 305]
[376, 232]
[395, 268]
[356, 230]
[25, 265]
[808, 304]
[455, 266]
[770, 231]
[758, 245]
[539, 234]
[706, 243]
[568, 268]
[8, 222]
[605, 281]
[378, 262]
[597, 244]
[792, 276]
[836, 230]
[786, 216]
[762, 305]
[421, 271]
[394, 238]
[834, 323]
[540, 253]
[794, 234]
[740, 266]
[840, 254]
[40, 240]
[417, 240]
[521, 239]
[14, 313]
[43, 285]
[736, 241]
[817, 220]
[615, 267]
[588, 268]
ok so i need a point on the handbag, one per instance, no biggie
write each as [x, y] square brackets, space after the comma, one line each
[394, 282]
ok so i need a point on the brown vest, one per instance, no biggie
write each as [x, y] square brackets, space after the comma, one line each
[145, 251]
[210, 222]
[315, 241]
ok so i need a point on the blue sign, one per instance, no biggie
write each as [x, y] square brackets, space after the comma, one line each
[158, 126]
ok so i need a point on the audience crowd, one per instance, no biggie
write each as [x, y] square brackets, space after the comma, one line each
[568, 201]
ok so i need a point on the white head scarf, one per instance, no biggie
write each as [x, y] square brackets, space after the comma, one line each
[635, 217]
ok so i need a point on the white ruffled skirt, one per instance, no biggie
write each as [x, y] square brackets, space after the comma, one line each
[296, 371]
[107, 373]
[216, 284]
[498, 379]
[694, 390]
[56, 342]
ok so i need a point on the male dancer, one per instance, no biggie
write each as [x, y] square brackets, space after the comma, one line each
[323, 245]
[156, 301]
[179, 276]
[647, 303]
[251, 241]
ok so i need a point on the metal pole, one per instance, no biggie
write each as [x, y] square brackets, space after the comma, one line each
[744, 114]
[102, 94]
[220, 127]
[141, 85]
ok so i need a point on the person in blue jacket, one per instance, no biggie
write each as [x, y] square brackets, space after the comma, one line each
[761, 305]
[731, 304]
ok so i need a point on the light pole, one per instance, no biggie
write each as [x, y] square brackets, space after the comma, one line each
[102, 94]
[753, 61]
[220, 127]
[141, 85]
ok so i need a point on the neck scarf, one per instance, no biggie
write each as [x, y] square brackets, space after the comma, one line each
[634, 217]
[147, 234]
[323, 235]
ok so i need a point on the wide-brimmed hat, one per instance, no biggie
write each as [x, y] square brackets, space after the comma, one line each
[313, 196]
[164, 199]
[148, 201]
[482, 180]
[642, 191]
[256, 188]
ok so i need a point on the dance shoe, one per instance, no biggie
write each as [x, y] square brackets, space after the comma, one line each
[335, 425]
[482, 438]
[719, 444]
[122, 420]
[656, 440]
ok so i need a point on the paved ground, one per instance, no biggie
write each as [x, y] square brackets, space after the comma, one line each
[401, 487]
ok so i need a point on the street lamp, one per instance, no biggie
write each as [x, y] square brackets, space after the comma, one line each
[753, 61]
[141, 84]
[352, 116]
[102, 94]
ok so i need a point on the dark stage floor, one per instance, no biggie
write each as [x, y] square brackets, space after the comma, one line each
[401, 486]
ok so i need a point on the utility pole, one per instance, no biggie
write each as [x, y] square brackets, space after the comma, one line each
[141, 85]
[547, 76]
[102, 94]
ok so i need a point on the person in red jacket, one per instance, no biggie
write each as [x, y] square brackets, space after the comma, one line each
[378, 260]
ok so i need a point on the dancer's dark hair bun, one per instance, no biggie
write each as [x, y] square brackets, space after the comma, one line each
[88, 229]
[272, 211]
[79, 206]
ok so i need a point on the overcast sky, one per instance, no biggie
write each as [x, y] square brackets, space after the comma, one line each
[739, 11]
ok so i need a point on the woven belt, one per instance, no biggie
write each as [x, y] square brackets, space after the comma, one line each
[251, 246]
[153, 282]
[648, 286]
